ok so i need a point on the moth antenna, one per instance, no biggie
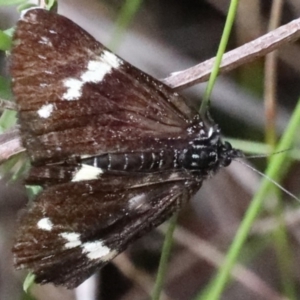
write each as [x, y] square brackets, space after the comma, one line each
[269, 178]
[267, 155]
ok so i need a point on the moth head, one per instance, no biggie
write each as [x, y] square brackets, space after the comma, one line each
[227, 154]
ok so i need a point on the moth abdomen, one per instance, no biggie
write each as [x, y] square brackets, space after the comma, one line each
[135, 161]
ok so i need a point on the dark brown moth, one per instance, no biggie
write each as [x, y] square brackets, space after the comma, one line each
[116, 151]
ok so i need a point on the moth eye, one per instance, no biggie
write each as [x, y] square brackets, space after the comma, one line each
[227, 161]
[227, 146]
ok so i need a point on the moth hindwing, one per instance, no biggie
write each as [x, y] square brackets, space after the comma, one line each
[116, 151]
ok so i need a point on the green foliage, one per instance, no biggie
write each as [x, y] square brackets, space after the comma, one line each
[5, 41]
[5, 90]
[28, 282]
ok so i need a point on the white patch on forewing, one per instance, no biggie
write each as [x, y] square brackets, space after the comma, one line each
[110, 59]
[45, 111]
[87, 172]
[45, 224]
[138, 202]
[74, 89]
[96, 71]
[97, 250]
[72, 238]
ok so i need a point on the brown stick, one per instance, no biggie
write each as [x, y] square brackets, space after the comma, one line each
[10, 144]
[237, 57]
[6, 104]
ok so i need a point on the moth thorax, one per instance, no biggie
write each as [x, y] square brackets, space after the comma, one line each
[208, 156]
[199, 158]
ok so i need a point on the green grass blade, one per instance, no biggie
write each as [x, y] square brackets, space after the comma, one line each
[125, 16]
[5, 41]
[222, 47]
[162, 269]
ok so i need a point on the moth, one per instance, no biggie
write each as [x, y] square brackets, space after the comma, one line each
[116, 151]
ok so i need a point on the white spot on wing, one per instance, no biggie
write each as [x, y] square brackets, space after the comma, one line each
[87, 172]
[45, 224]
[72, 238]
[45, 111]
[74, 89]
[97, 250]
[96, 71]
[110, 59]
